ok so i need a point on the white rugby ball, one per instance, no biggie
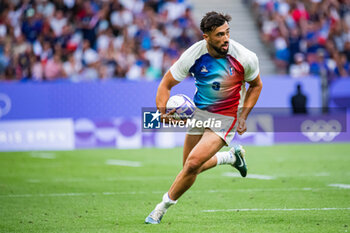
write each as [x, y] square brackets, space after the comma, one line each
[183, 105]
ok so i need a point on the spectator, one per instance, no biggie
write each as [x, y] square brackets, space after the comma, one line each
[91, 62]
[54, 68]
[300, 68]
[47, 52]
[347, 50]
[20, 46]
[343, 66]
[46, 7]
[136, 71]
[281, 53]
[5, 58]
[294, 43]
[90, 56]
[155, 57]
[32, 26]
[72, 68]
[37, 69]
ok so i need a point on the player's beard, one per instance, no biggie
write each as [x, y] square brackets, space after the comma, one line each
[220, 50]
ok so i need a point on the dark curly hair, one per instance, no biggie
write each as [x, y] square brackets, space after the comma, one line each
[212, 20]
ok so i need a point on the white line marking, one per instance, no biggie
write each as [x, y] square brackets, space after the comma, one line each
[342, 186]
[162, 192]
[251, 176]
[123, 163]
[42, 155]
[78, 194]
[320, 174]
[47, 195]
[33, 181]
[269, 177]
[77, 179]
[302, 209]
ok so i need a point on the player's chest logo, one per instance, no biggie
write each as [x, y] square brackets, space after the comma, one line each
[204, 69]
[231, 70]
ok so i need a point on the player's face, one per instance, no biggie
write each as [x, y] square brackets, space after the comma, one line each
[218, 39]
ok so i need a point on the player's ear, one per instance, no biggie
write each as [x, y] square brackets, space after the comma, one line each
[205, 36]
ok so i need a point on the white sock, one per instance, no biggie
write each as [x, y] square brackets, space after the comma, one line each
[225, 157]
[166, 202]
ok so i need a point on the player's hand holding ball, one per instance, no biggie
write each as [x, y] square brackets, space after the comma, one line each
[167, 116]
[178, 108]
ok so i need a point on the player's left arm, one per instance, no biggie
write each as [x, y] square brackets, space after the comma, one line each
[251, 98]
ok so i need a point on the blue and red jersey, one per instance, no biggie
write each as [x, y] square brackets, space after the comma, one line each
[220, 82]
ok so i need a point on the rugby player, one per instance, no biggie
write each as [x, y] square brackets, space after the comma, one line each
[220, 67]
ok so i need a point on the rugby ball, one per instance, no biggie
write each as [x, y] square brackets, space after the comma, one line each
[183, 105]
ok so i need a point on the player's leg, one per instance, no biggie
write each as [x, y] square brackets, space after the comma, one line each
[226, 131]
[233, 157]
[190, 142]
[225, 157]
[208, 145]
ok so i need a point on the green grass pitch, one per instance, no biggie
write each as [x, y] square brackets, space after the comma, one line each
[77, 191]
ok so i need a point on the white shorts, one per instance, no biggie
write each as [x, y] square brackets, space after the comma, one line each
[225, 130]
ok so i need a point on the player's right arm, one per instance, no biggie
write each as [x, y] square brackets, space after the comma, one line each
[163, 93]
[177, 72]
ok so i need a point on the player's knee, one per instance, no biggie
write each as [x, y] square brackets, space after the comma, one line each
[192, 166]
[184, 162]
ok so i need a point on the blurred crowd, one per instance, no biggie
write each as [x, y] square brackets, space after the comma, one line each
[89, 40]
[306, 36]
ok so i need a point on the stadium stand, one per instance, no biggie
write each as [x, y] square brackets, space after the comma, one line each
[306, 36]
[89, 40]
[80, 40]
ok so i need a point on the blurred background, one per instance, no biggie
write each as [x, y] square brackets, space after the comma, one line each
[76, 74]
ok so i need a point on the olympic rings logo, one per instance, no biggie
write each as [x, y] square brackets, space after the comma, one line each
[321, 130]
[5, 104]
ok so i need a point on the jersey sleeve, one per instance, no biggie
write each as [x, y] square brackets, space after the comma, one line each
[251, 69]
[182, 66]
[247, 58]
